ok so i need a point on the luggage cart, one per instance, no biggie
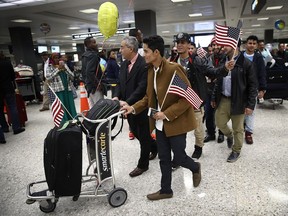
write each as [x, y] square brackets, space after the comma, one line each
[99, 172]
[26, 87]
[277, 85]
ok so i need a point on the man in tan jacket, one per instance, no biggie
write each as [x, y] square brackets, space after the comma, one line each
[175, 116]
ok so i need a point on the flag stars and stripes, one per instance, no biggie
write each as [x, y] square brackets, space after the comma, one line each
[227, 36]
[179, 87]
[56, 107]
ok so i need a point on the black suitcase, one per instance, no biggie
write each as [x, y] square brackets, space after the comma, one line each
[277, 83]
[102, 109]
[63, 160]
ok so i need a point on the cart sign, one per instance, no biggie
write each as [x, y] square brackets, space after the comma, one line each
[104, 151]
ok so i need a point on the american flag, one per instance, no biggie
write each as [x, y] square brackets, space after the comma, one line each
[227, 36]
[57, 110]
[201, 52]
[179, 87]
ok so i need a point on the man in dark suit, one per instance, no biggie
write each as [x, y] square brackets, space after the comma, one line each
[7, 93]
[131, 88]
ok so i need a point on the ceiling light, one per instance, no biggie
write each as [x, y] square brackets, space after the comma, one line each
[66, 36]
[248, 32]
[176, 1]
[274, 7]
[21, 20]
[195, 15]
[26, 1]
[73, 27]
[128, 21]
[165, 32]
[264, 18]
[256, 25]
[89, 11]
[6, 4]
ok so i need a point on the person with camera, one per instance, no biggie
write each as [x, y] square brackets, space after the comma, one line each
[59, 76]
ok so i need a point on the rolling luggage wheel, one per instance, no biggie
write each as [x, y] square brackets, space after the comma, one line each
[47, 206]
[75, 198]
[117, 197]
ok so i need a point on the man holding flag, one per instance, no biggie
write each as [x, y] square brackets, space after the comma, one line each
[234, 95]
[175, 116]
[197, 67]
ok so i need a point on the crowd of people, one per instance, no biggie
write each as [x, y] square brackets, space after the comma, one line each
[228, 80]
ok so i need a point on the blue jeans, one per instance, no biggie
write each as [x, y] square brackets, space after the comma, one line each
[11, 105]
[249, 121]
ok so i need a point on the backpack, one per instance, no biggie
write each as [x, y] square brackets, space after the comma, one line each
[197, 79]
[101, 110]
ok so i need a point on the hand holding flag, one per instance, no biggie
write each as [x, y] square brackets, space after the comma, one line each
[201, 52]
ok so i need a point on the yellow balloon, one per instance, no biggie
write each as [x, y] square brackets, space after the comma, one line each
[108, 19]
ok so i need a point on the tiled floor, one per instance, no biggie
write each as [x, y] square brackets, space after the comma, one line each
[257, 184]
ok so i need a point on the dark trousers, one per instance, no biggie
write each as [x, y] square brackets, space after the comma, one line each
[210, 117]
[139, 125]
[177, 144]
[11, 105]
[2, 137]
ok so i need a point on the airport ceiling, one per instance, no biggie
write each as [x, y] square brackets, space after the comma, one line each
[171, 18]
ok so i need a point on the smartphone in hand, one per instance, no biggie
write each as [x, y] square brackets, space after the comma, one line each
[152, 112]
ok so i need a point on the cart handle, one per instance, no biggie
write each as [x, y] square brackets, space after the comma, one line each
[82, 114]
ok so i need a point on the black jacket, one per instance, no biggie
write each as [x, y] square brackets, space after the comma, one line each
[112, 70]
[260, 70]
[7, 77]
[243, 87]
[132, 86]
[90, 63]
[197, 69]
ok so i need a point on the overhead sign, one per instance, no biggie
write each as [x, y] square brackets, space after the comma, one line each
[82, 36]
[257, 6]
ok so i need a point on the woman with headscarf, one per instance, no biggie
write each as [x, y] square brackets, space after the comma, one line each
[59, 76]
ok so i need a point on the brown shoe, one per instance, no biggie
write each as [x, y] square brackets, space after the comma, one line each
[248, 137]
[43, 109]
[137, 171]
[158, 196]
[197, 176]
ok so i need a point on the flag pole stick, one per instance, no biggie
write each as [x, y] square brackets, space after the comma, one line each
[239, 26]
[61, 102]
[236, 47]
[168, 89]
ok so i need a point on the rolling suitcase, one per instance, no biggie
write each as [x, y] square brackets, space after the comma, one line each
[21, 107]
[63, 160]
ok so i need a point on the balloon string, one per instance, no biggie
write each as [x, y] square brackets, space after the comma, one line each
[103, 43]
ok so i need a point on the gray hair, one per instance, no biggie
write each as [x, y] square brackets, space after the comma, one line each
[131, 42]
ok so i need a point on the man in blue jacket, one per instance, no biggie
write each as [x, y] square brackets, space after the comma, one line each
[254, 56]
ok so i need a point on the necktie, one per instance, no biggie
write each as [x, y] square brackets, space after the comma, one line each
[128, 64]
